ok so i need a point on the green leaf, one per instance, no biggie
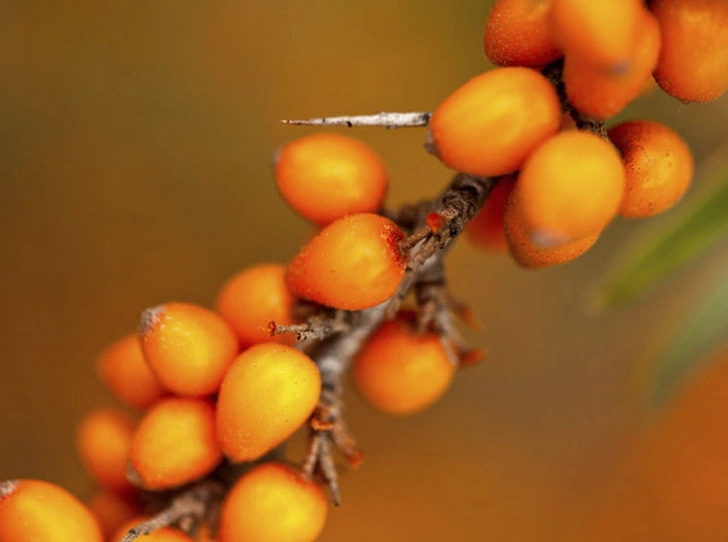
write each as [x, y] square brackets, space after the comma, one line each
[699, 335]
[695, 228]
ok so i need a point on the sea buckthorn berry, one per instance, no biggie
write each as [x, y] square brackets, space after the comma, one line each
[569, 188]
[175, 443]
[693, 64]
[112, 510]
[328, 176]
[486, 229]
[273, 502]
[269, 391]
[400, 371]
[517, 34]
[33, 510]
[165, 534]
[354, 263]
[602, 93]
[188, 347]
[253, 298]
[493, 122]
[600, 33]
[658, 167]
[526, 253]
[103, 440]
[123, 370]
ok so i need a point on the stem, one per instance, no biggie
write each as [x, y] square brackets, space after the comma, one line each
[384, 119]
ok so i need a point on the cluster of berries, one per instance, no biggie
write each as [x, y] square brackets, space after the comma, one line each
[222, 390]
[590, 59]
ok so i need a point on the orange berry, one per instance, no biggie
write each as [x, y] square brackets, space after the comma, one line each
[569, 188]
[112, 510]
[693, 65]
[486, 229]
[253, 298]
[529, 255]
[103, 440]
[602, 93]
[165, 534]
[269, 391]
[401, 372]
[658, 167]
[34, 510]
[273, 502]
[188, 347]
[328, 176]
[175, 443]
[493, 122]
[354, 263]
[600, 33]
[517, 34]
[122, 368]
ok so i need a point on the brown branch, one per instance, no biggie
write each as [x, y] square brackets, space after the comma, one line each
[186, 510]
[318, 327]
[384, 119]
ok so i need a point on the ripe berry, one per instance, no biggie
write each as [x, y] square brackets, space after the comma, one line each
[103, 440]
[693, 64]
[658, 166]
[569, 188]
[600, 33]
[517, 34]
[354, 263]
[328, 176]
[602, 93]
[525, 252]
[122, 368]
[112, 509]
[269, 391]
[165, 534]
[273, 502]
[188, 347]
[33, 510]
[401, 372]
[486, 229]
[493, 122]
[175, 443]
[253, 298]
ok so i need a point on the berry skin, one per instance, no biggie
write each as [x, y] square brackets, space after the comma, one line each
[34, 510]
[525, 252]
[658, 167]
[175, 443]
[401, 372]
[486, 229]
[600, 93]
[165, 534]
[103, 440]
[693, 64]
[354, 263]
[273, 502]
[327, 176]
[493, 122]
[122, 369]
[517, 34]
[188, 347]
[599, 33]
[112, 510]
[569, 188]
[253, 298]
[268, 393]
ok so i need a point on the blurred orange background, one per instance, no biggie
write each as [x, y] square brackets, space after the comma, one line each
[134, 166]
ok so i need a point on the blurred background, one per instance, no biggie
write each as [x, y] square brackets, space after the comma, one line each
[134, 169]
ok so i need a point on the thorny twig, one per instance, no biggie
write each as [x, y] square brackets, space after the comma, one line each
[186, 510]
[384, 119]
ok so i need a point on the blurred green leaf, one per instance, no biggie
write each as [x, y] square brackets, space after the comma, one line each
[695, 228]
[700, 333]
